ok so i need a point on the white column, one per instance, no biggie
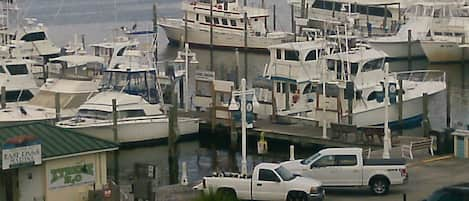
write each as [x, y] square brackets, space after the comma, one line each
[186, 78]
[243, 127]
[387, 137]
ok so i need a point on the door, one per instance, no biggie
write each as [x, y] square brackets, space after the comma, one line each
[268, 186]
[323, 170]
[349, 170]
[460, 153]
[10, 180]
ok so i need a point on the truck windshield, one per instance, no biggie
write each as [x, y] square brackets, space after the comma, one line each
[310, 159]
[284, 173]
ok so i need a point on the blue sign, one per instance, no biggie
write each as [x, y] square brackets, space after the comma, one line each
[250, 117]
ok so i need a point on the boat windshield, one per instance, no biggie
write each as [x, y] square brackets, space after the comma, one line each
[336, 65]
[310, 159]
[141, 83]
[67, 100]
[284, 173]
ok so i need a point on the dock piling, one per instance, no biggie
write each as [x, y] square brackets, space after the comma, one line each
[57, 107]
[448, 103]
[172, 137]
[292, 152]
[245, 45]
[155, 30]
[116, 140]
[211, 36]
[409, 49]
[4, 97]
[400, 93]
[274, 19]
[184, 180]
[293, 23]
[425, 121]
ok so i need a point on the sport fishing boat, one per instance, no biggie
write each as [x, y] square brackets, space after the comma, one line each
[364, 72]
[17, 78]
[133, 84]
[228, 26]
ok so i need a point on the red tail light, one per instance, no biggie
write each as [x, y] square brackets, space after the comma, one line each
[403, 172]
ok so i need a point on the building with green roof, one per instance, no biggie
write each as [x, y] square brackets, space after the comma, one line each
[50, 163]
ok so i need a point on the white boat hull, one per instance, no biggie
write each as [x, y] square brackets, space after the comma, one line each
[398, 49]
[442, 51]
[235, 39]
[133, 131]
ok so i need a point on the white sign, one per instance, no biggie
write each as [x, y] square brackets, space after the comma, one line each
[21, 156]
[201, 75]
[71, 176]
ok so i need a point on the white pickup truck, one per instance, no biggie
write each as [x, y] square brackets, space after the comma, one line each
[269, 181]
[345, 167]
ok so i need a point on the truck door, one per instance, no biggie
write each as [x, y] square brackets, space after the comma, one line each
[268, 186]
[349, 170]
[323, 170]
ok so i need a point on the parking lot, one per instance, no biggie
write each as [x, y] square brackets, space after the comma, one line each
[423, 180]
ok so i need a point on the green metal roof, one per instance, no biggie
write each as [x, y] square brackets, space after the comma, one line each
[56, 141]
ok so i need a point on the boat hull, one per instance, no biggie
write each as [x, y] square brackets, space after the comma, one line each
[398, 49]
[130, 132]
[225, 40]
[412, 114]
[443, 51]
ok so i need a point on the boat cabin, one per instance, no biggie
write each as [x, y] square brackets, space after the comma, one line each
[113, 49]
[18, 79]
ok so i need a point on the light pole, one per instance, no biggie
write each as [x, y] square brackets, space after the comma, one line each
[387, 137]
[233, 107]
[186, 54]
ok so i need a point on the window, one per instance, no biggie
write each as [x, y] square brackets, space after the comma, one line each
[2, 70]
[233, 22]
[131, 113]
[121, 51]
[197, 17]
[346, 160]
[207, 19]
[279, 54]
[292, 55]
[18, 69]
[267, 175]
[309, 89]
[448, 34]
[284, 173]
[279, 87]
[34, 37]
[310, 159]
[354, 68]
[372, 65]
[216, 21]
[438, 34]
[311, 55]
[293, 88]
[12, 96]
[224, 21]
[458, 34]
[325, 161]
[372, 96]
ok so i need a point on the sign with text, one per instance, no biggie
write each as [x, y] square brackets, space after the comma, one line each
[71, 176]
[21, 152]
[202, 75]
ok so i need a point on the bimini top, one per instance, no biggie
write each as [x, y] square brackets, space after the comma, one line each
[303, 46]
[358, 56]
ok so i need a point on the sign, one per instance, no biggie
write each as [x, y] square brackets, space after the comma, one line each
[71, 176]
[201, 75]
[21, 151]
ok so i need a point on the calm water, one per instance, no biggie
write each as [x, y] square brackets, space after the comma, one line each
[97, 19]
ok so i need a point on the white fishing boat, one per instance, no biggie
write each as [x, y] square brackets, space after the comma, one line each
[17, 78]
[42, 107]
[445, 42]
[227, 23]
[140, 117]
[421, 19]
[291, 64]
[367, 73]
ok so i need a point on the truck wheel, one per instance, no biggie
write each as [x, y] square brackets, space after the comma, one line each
[297, 196]
[379, 186]
[227, 193]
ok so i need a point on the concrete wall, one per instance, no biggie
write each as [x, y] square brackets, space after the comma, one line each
[76, 192]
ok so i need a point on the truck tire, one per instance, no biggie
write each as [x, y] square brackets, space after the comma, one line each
[379, 186]
[297, 196]
[227, 193]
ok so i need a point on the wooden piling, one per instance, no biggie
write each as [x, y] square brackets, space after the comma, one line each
[463, 50]
[57, 107]
[287, 95]
[400, 103]
[211, 36]
[350, 96]
[448, 103]
[307, 11]
[274, 102]
[425, 120]
[274, 21]
[246, 46]
[385, 22]
[186, 40]
[293, 24]
[116, 140]
[213, 110]
[237, 66]
[399, 13]
[155, 30]
[302, 10]
[172, 137]
[368, 20]
[409, 49]
[4, 97]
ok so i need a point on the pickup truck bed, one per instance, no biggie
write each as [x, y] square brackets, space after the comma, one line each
[379, 162]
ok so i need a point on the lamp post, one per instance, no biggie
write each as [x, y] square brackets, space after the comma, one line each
[387, 137]
[235, 106]
[186, 54]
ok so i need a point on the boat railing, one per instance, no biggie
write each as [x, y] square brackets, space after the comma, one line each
[421, 75]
